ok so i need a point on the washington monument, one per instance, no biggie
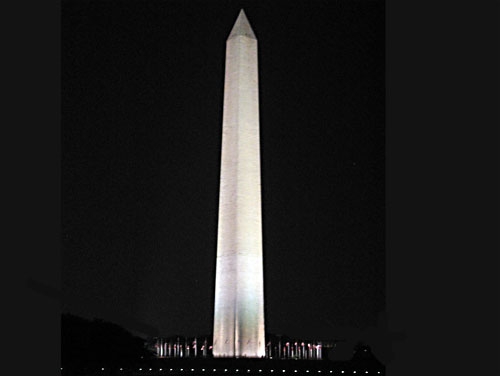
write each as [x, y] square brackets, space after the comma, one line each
[239, 283]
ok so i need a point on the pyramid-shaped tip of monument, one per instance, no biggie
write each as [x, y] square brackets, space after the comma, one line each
[242, 27]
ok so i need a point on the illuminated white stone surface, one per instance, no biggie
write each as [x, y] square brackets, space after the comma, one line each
[239, 284]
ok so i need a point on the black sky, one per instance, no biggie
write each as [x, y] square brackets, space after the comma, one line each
[142, 93]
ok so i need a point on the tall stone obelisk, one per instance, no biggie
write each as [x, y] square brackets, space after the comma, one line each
[239, 282]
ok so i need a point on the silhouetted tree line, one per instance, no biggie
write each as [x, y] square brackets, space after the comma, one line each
[88, 343]
[363, 356]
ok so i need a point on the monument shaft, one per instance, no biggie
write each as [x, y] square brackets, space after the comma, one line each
[239, 284]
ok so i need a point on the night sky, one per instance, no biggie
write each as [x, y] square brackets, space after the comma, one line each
[142, 94]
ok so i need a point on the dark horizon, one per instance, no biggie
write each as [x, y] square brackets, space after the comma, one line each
[97, 344]
[142, 86]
